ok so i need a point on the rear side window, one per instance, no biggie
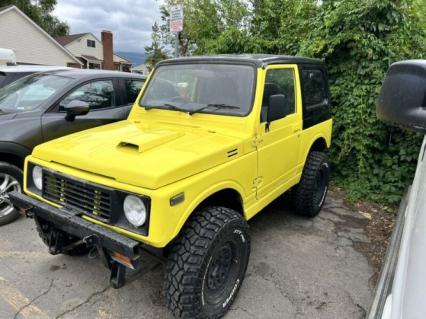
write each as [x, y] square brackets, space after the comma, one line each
[132, 89]
[98, 94]
[314, 88]
[2, 79]
[7, 78]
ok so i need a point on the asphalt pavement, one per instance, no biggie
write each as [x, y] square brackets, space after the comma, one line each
[299, 268]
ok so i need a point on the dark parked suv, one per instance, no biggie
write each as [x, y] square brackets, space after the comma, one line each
[47, 105]
[9, 74]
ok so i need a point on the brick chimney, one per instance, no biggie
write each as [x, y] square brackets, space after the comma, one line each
[107, 44]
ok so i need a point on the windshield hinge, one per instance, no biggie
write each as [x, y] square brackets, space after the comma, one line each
[257, 140]
[257, 181]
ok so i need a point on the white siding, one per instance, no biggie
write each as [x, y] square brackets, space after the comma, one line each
[29, 43]
[119, 59]
[79, 47]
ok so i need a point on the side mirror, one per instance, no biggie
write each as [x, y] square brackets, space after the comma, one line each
[402, 99]
[76, 108]
[277, 107]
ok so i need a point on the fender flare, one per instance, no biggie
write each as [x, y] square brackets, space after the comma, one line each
[203, 196]
[14, 149]
[316, 138]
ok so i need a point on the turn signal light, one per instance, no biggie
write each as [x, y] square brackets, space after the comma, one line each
[122, 260]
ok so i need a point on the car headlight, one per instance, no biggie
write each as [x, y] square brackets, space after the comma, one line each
[134, 210]
[38, 177]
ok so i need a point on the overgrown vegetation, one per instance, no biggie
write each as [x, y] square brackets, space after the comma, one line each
[358, 40]
[156, 51]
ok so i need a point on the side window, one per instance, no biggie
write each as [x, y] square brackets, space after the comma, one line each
[314, 87]
[99, 95]
[91, 43]
[132, 89]
[279, 82]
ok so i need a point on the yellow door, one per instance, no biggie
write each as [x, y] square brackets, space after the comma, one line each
[279, 144]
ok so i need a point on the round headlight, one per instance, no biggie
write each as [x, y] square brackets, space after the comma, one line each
[135, 210]
[37, 177]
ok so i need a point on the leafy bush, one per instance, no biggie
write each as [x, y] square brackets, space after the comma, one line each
[358, 40]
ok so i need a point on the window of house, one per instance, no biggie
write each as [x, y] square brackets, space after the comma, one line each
[98, 94]
[132, 88]
[314, 87]
[91, 43]
[279, 81]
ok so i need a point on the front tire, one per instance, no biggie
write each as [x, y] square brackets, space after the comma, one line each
[309, 195]
[207, 263]
[11, 178]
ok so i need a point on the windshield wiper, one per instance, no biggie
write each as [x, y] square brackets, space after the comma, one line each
[169, 107]
[217, 105]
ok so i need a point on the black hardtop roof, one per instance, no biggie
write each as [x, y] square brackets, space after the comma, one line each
[93, 74]
[260, 60]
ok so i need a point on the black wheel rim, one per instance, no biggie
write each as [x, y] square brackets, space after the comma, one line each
[321, 185]
[222, 273]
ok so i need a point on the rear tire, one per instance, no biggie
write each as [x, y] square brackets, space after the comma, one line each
[207, 263]
[11, 178]
[309, 195]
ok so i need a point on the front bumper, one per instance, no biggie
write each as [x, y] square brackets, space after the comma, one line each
[105, 240]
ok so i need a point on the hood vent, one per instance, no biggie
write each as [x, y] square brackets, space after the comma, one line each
[147, 141]
[130, 145]
[233, 152]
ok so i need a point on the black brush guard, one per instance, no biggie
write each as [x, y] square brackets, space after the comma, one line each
[106, 241]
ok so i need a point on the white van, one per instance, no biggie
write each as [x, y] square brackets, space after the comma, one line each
[7, 57]
[401, 291]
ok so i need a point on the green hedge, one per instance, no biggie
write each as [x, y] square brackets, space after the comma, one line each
[358, 40]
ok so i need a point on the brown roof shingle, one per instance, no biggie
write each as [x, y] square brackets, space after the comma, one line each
[65, 39]
[90, 58]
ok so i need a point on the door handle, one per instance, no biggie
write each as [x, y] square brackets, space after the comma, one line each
[297, 130]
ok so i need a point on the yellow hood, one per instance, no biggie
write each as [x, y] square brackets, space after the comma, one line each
[142, 155]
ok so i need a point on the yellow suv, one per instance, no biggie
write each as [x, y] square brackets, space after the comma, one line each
[209, 143]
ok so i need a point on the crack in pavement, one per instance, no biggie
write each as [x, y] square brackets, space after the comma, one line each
[357, 305]
[34, 299]
[88, 299]
[294, 300]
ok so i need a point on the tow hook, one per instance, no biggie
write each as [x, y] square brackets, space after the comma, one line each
[94, 241]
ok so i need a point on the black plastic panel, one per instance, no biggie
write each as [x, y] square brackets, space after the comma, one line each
[402, 99]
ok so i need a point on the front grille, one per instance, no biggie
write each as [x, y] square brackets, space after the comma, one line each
[87, 198]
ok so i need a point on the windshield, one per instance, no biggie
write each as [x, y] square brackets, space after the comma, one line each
[208, 88]
[2, 79]
[28, 93]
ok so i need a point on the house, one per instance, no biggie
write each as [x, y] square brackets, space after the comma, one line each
[93, 53]
[141, 68]
[31, 44]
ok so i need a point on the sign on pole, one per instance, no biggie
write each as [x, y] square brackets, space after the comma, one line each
[176, 18]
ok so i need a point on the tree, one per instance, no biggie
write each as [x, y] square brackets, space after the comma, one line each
[358, 40]
[156, 51]
[204, 23]
[40, 12]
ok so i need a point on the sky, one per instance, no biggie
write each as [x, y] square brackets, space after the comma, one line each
[130, 21]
